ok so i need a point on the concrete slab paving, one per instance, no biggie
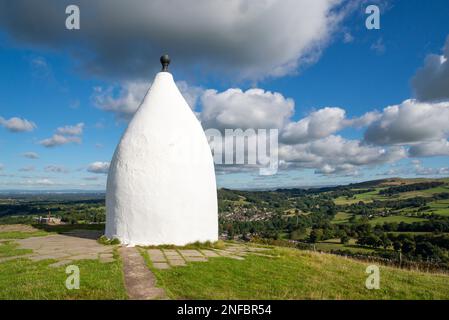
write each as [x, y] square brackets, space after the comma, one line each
[196, 259]
[176, 263]
[76, 245]
[191, 253]
[161, 265]
[209, 253]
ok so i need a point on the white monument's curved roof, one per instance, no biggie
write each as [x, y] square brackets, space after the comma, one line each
[161, 185]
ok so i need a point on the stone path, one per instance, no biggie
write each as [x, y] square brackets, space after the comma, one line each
[140, 282]
[66, 248]
[167, 258]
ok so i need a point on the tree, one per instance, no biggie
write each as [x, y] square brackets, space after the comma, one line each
[408, 246]
[386, 242]
[344, 239]
[316, 235]
[397, 245]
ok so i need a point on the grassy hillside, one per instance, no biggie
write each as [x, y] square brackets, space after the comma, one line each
[295, 274]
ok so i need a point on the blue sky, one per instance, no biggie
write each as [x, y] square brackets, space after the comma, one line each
[58, 81]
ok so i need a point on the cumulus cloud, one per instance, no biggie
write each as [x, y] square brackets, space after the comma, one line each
[75, 130]
[410, 122]
[64, 135]
[254, 108]
[431, 82]
[334, 155]
[124, 100]
[322, 123]
[98, 167]
[318, 124]
[17, 124]
[237, 38]
[430, 149]
[59, 140]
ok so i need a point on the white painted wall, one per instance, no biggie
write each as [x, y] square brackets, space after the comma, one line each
[161, 185]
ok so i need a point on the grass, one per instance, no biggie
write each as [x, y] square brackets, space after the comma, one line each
[335, 244]
[365, 197]
[108, 242]
[22, 235]
[341, 217]
[440, 207]
[9, 249]
[396, 218]
[295, 274]
[24, 279]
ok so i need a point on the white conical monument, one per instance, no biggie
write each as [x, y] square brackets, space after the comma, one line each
[161, 185]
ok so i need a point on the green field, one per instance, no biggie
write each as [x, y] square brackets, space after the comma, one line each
[295, 274]
[374, 195]
[365, 197]
[396, 218]
[341, 217]
[440, 207]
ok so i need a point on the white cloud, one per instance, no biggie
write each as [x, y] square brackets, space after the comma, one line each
[322, 123]
[75, 130]
[318, 124]
[250, 40]
[98, 167]
[431, 82]
[59, 140]
[56, 169]
[254, 108]
[430, 149]
[365, 120]
[30, 155]
[410, 122]
[334, 154]
[17, 124]
[64, 135]
[124, 100]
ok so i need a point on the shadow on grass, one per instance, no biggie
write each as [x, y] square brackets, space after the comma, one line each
[85, 231]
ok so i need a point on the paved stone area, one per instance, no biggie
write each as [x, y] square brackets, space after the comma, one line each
[167, 258]
[140, 282]
[66, 248]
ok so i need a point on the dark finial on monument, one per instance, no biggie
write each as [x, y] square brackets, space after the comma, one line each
[165, 61]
